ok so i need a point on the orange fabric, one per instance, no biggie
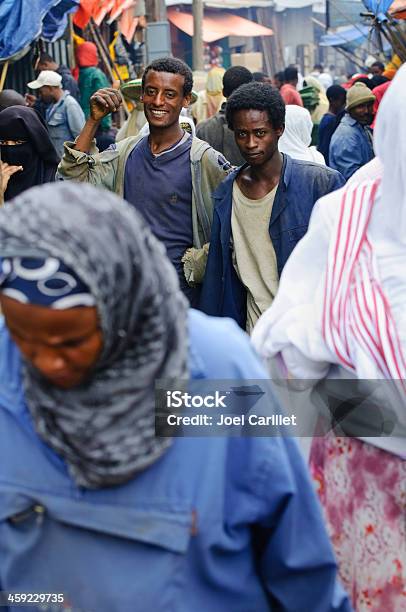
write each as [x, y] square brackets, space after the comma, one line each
[86, 55]
[128, 24]
[85, 12]
[101, 11]
[218, 26]
[119, 7]
[98, 9]
[379, 93]
[389, 73]
[398, 9]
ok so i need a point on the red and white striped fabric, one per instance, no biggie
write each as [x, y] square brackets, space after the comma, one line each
[356, 313]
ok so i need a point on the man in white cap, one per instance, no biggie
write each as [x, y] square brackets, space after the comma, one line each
[351, 144]
[64, 116]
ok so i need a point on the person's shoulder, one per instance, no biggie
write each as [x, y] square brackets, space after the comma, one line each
[323, 178]
[67, 76]
[371, 171]
[71, 101]
[99, 75]
[10, 363]
[63, 69]
[127, 145]
[99, 72]
[203, 125]
[346, 124]
[222, 348]
[202, 152]
[312, 168]
[326, 119]
[346, 134]
[215, 120]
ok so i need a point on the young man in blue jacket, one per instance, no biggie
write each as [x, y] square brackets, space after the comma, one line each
[261, 210]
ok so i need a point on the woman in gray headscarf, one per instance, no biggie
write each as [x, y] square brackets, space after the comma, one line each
[97, 512]
[47, 265]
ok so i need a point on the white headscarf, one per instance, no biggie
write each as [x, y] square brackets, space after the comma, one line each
[297, 136]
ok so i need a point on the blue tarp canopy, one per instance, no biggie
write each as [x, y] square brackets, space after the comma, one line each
[347, 38]
[56, 20]
[378, 7]
[22, 21]
[351, 37]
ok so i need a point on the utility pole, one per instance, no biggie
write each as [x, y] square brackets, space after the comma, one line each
[156, 10]
[157, 33]
[197, 41]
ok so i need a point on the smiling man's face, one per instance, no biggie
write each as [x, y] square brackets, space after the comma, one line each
[363, 113]
[163, 98]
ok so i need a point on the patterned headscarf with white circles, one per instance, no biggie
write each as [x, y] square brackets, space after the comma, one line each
[43, 282]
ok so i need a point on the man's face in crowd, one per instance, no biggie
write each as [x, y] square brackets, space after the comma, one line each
[163, 98]
[276, 82]
[337, 105]
[45, 66]
[376, 71]
[46, 94]
[363, 113]
[63, 345]
[255, 136]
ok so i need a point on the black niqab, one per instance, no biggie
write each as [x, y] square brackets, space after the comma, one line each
[37, 155]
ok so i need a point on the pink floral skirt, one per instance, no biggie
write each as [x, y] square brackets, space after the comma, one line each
[363, 493]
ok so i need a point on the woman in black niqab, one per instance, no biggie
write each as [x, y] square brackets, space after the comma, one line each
[36, 153]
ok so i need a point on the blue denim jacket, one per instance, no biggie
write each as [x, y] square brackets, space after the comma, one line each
[350, 147]
[65, 121]
[220, 524]
[302, 183]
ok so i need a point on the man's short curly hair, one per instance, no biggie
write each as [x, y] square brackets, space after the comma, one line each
[174, 66]
[257, 96]
[235, 77]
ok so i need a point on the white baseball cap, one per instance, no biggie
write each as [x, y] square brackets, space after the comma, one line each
[46, 77]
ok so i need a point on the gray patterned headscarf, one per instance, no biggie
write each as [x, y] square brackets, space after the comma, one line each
[103, 428]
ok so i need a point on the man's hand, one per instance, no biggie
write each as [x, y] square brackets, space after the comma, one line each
[105, 101]
[30, 99]
[102, 102]
[6, 172]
